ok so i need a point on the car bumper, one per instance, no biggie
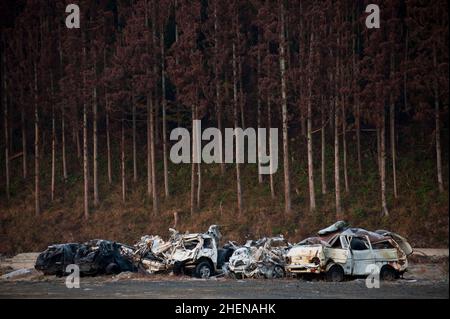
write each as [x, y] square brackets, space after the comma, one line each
[303, 268]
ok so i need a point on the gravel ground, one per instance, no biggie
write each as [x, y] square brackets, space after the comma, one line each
[422, 281]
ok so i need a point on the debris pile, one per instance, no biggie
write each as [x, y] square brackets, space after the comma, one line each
[262, 258]
[336, 251]
[151, 254]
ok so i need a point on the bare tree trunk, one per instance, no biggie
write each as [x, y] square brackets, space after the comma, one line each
[193, 165]
[85, 143]
[323, 144]
[155, 101]
[199, 184]
[336, 162]
[37, 189]
[344, 144]
[269, 121]
[287, 185]
[300, 52]
[164, 106]
[358, 134]
[63, 143]
[122, 159]
[192, 188]
[24, 143]
[393, 148]
[405, 72]
[108, 137]
[76, 133]
[149, 141]
[379, 150]
[241, 93]
[312, 194]
[85, 162]
[108, 141]
[258, 120]
[337, 182]
[392, 130]
[63, 120]
[198, 146]
[53, 178]
[5, 107]
[438, 142]
[357, 107]
[384, 210]
[157, 133]
[236, 125]
[438, 125]
[95, 146]
[239, 77]
[53, 156]
[133, 114]
[152, 154]
[153, 118]
[216, 74]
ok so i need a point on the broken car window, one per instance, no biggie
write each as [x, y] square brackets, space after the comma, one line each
[207, 243]
[383, 245]
[359, 244]
[191, 244]
[337, 244]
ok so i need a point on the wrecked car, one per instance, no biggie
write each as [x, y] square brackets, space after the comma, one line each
[103, 256]
[151, 253]
[93, 257]
[263, 258]
[340, 251]
[197, 254]
[55, 259]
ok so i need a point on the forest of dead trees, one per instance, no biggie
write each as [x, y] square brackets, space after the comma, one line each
[115, 88]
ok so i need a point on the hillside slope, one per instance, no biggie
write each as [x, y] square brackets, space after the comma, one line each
[420, 213]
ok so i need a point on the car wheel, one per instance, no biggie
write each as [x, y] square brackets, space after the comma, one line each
[278, 272]
[237, 276]
[112, 269]
[388, 273]
[203, 270]
[335, 274]
[178, 268]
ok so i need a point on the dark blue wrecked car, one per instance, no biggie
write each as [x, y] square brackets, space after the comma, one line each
[94, 257]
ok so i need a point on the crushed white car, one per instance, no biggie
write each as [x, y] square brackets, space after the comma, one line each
[260, 259]
[197, 254]
[340, 251]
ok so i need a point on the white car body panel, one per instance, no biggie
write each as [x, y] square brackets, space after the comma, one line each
[354, 262]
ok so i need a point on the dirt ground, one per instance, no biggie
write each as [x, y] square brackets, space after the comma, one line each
[424, 280]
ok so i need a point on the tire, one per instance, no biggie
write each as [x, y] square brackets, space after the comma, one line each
[278, 272]
[112, 269]
[178, 268]
[388, 273]
[236, 276]
[335, 274]
[203, 270]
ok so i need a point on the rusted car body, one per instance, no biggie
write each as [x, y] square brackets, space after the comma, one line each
[341, 251]
[198, 253]
[151, 254]
[262, 258]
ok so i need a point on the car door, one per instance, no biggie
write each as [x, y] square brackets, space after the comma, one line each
[362, 255]
[209, 249]
[339, 252]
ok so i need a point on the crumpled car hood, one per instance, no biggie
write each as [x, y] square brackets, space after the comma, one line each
[240, 258]
[305, 250]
